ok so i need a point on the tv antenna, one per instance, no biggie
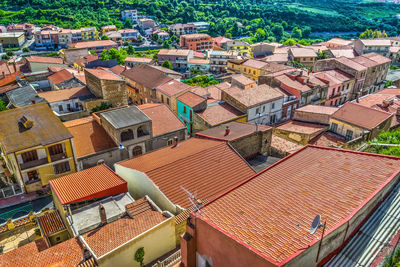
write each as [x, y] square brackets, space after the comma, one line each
[192, 198]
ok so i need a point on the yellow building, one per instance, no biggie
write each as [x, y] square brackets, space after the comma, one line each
[241, 47]
[108, 28]
[90, 34]
[253, 68]
[35, 145]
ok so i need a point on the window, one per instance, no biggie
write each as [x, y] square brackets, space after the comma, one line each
[170, 142]
[61, 167]
[58, 239]
[257, 111]
[190, 115]
[32, 176]
[184, 109]
[127, 135]
[137, 151]
[76, 105]
[263, 108]
[60, 108]
[162, 98]
[273, 106]
[349, 135]
[56, 149]
[333, 91]
[29, 156]
[334, 127]
[168, 101]
[141, 131]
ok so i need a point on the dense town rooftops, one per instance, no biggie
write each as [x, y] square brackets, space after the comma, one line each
[284, 145]
[236, 131]
[377, 58]
[89, 136]
[350, 63]
[86, 59]
[206, 166]
[52, 60]
[66, 94]
[243, 80]
[262, 213]
[104, 74]
[219, 112]
[92, 183]
[254, 96]
[333, 77]
[15, 137]
[172, 87]
[146, 76]
[90, 44]
[163, 119]
[361, 116]
[191, 99]
[124, 117]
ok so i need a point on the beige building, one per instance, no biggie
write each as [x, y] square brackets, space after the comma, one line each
[12, 39]
[304, 56]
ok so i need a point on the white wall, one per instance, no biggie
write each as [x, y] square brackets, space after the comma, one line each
[266, 111]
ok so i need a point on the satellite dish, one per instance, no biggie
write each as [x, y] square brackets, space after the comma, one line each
[315, 224]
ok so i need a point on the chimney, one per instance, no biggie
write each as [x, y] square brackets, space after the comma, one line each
[103, 216]
[227, 131]
[33, 101]
[175, 141]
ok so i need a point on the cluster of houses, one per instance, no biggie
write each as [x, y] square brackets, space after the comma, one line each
[137, 166]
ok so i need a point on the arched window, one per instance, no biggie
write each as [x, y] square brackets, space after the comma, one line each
[137, 151]
[141, 131]
[127, 135]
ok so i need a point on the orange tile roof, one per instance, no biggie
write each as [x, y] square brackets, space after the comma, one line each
[328, 139]
[243, 80]
[318, 109]
[163, 119]
[142, 217]
[172, 87]
[138, 59]
[51, 223]
[376, 101]
[237, 130]
[67, 253]
[301, 127]
[262, 213]
[95, 182]
[12, 78]
[54, 60]
[118, 69]
[6, 88]
[364, 117]
[207, 167]
[60, 95]
[220, 112]
[283, 145]
[191, 99]
[60, 76]
[91, 44]
[89, 136]
[104, 74]
[254, 96]
[83, 60]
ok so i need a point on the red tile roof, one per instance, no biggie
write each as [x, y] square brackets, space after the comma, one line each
[83, 60]
[104, 74]
[254, 96]
[328, 139]
[118, 69]
[53, 60]
[91, 44]
[68, 253]
[51, 223]
[60, 95]
[173, 87]
[237, 130]
[60, 76]
[89, 136]
[141, 218]
[218, 113]
[301, 127]
[191, 99]
[12, 78]
[262, 213]
[146, 76]
[6, 88]
[204, 166]
[163, 119]
[138, 59]
[95, 182]
[283, 145]
[361, 116]
[318, 109]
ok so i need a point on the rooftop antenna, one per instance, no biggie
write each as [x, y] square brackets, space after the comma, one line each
[193, 199]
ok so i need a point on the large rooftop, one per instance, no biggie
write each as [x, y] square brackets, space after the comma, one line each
[254, 96]
[124, 117]
[219, 112]
[47, 128]
[204, 166]
[263, 212]
[173, 87]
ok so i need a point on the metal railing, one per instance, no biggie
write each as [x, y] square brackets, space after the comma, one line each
[170, 260]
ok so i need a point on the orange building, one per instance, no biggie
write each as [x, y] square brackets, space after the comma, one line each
[196, 42]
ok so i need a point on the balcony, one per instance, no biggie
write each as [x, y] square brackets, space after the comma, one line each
[57, 157]
[33, 163]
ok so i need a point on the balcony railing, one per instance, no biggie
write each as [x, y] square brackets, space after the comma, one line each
[34, 163]
[58, 156]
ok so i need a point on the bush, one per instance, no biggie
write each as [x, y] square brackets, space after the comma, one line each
[202, 81]
[10, 53]
[167, 64]
[26, 49]
[102, 106]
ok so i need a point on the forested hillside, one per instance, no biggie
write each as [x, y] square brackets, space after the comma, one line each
[262, 19]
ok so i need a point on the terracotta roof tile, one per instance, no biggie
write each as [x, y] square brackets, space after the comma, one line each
[377, 100]
[174, 52]
[12, 78]
[43, 119]
[365, 117]
[163, 119]
[173, 87]
[301, 127]
[51, 223]
[191, 99]
[254, 96]
[303, 52]
[93, 44]
[54, 60]
[283, 145]
[89, 136]
[204, 166]
[141, 218]
[328, 139]
[60, 76]
[104, 74]
[138, 59]
[118, 69]
[263, 212]
[243, 80]
[83, 60]
[6, 88]
[95, 182]
[146, 76]
[219, 112]
[61, 95]
[318, 109]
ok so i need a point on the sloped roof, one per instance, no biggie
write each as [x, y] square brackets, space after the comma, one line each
[23, 96]
[163, 119]
[254, 96]
[302, 52]
[301, 127]
[104, 74]
[146, 76]
[52, 60]
[60, 95]
[51, 223]
[219, 112]
[90, 44]
[60, 76]
[172, 87]
[191, 99]
[364, 117]
[263, 212]
[13, 138]
[318, 109]
[89, 136]
[95, 182]
[124, 116]
[204, 166]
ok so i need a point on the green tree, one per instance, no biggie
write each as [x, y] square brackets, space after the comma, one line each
[102, 106]
[277, 30]
[118, 54]
[167, 44]
[25, 49]
[167, 64]
[306, 32]
[2, 105]
[10, 53]
[130, 50]
[105, 37]
[5, 57]
[303, 42]
[369, 34]
[322, 55]
[139, 256]
[228, 35]
[91, 51]
[296, 33]
[290, 41]
[127, 24]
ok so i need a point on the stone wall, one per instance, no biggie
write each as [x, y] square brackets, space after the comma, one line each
[233, 102]
[73, 54]
[253, 144]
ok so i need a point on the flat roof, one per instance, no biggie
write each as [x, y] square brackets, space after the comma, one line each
[262, 213]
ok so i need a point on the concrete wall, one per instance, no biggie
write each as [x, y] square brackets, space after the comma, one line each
[297, 137]
[140, 185]
[110, 157]
[162, 140]
[36, 66]
[73, 54]
[156, 242]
